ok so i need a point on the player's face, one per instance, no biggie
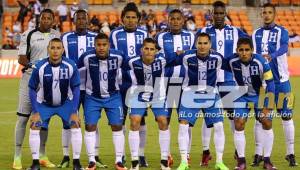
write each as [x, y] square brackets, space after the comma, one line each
[46, 21]
[102, 48]
[268, 15]
[81, 21]
[55, 50]
[245, 52]
[176, 22]
[130, 20]
[203, 46]
[219, 14]
[148, 51]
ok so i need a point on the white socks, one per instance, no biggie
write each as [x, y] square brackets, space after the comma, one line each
[76, 139]
[206, 133]
[142, 133]
[90, 140]
[289, 131]
[164, 143]
[259, 137]
[97, 142]
[119, 142]
[66, 140]
[183, 141]
[240, 142]
[232, 126]
[268, 142]
[34, 142]
[219, 140]
[190, 140]
[134, 143]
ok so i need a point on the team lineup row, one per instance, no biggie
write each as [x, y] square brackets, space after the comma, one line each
[220, 55]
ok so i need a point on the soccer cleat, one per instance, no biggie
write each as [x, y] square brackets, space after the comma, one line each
[99, 163]
[291, 159]
[91, 166]
[35, 165]
[17, 162]
[135, 165]
[164, 165]
[183, 166]
[206, 157]
[77, 165]
[189, 159]
[143, 162]
[65, 163]
[268, 164]
[241, 164]
[257, 160]
[120, 166]
[170, 160]
[221, 166]
[44, 161]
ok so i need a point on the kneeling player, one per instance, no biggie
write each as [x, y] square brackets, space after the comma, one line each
[102, 92]
[201, 68]
[145, 72]
[54, 89]
[252, 70]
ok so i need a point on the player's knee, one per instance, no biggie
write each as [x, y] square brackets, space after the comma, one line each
[239, 124]
[36, 125]
[286, 117]
[162, 123]
[143, 121]
[116, 127]
[135, 122]
[185, 122]
[90, 128]
[266, 124]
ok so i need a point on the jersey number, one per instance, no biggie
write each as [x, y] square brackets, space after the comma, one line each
[103, 76]
[131, 50]
[147, 76]
[202, 75]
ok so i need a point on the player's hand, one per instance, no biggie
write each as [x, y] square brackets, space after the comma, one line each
[267, 57]
[179, 52]
[75, 120]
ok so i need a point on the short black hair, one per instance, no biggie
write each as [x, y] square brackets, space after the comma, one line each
[269, 5]
[176, 11]
[47, 10]
[80, 11]
[101, 36]
[131, 6]
[203, 34]
[150, 40]
[55, 40]
[245, 40]
[219, 4]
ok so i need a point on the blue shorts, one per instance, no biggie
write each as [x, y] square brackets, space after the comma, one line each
[112, 106]
[212, 114]
[284, 109]
[158, 111]
[64, 112]
[244, 112]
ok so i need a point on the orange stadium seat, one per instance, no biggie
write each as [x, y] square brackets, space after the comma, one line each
[296, 44]
[70, 2]
[153, 1]
[275, 2]
[11, 3]
[243, 17]
[107, 2]
[205, 2]
[295, 2]
[172, 2]
[288, 13]
[98, 2]
[284, 2]
[195, 1]
[163, 1]
[90, 2]
[102, 17]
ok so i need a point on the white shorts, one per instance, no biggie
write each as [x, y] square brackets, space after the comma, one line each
[24, 107]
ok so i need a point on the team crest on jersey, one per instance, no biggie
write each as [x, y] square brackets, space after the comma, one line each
[113, 64]
[211, 64]
[139, 39]
[228, 34]
[273, 37]
[64, 73]
[254, 70]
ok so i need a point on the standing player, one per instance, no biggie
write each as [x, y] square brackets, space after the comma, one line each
[129, 39]
[76, 43]
[224, 39]
[271, 41]
[148, 71]
[252, 71]
[54, 90]
[175, 40]
[102, 68]
[33, 47]
[202, 67]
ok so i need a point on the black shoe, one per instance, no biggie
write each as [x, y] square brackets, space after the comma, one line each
[268, 164]
[35, 165]
[257, 160]
[123, 160]
[142, 161]
[77, 165]
[64, 163]
[291, 159]
[134, 165]
[241, 164]
[91, 166]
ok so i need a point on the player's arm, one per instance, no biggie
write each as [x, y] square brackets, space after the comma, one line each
[270, 88]
[24, 49]
[75, 84]
[284, 45]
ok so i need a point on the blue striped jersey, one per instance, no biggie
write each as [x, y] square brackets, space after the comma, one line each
[102, 77]
[224, 41]
[273, 41]
[201, 72]
[170, 43]
[130, 43]
[54, 83]
[148, 75]
[75, 44]
[254, 74]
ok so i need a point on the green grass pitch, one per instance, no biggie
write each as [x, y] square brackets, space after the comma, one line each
[8, 105]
